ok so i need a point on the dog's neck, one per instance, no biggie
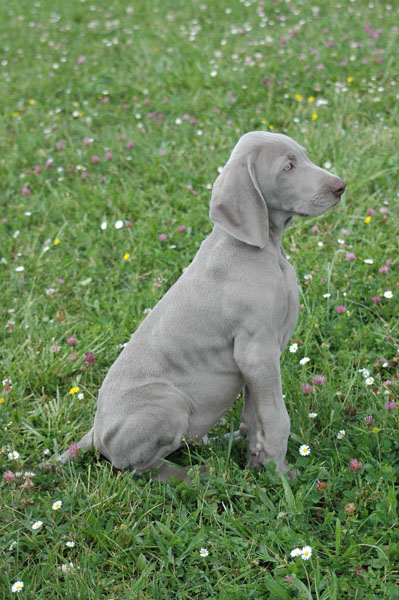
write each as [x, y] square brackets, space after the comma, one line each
[278, 222]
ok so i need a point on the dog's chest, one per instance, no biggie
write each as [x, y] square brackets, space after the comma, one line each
[291, 298]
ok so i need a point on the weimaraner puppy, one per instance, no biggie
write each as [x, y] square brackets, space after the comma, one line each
[224, 323]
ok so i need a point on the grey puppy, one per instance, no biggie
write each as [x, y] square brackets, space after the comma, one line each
[224, 323]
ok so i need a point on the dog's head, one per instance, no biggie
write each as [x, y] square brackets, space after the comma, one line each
[269, 172]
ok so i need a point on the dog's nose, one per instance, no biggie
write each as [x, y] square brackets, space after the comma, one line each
[337, 186]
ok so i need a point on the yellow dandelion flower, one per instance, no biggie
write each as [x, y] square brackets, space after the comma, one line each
[15, 114]
[56, 241]
[350, 79]
[271, 127]
[376, 429]
[367, 219]
[264, 121]
[298, 97]
[311, 99]
[73, 390]
[32, 102]
[314, 116]
[2, 400]
[126, 256]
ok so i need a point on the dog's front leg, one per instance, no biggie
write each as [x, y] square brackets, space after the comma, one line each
[264, 417]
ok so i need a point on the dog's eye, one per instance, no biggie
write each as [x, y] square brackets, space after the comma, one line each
[288, 167]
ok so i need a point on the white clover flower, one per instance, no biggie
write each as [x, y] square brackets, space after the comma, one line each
[37, 525]
[306, 552]
[304, 450]
[293, 348]
[57, 505]
[308, 277]
[341, 434]
[204, 552]
[304, 360]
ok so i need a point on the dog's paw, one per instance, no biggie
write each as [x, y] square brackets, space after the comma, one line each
[293, 473]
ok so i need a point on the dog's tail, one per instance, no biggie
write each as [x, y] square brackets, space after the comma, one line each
[73, 451]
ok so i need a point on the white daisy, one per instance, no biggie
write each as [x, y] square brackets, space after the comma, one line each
[369, 380]
[312, 415]
[37, 525]
[388, 294]
[341, 434]
[304, 360]
[57, 505]
[306, 552]
[293, 348]
[119, 224]
[17, 587]
[295, 552]
[203, 552]
[14, 455]
[304, 450]
[70, 544]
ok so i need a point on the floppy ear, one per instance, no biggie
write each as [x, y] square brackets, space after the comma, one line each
[237, 204]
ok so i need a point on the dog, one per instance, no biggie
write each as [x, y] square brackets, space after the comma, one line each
[222, 326]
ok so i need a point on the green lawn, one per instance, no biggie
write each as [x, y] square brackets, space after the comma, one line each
[120, 113]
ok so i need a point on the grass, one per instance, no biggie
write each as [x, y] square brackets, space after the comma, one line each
[182, 81]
